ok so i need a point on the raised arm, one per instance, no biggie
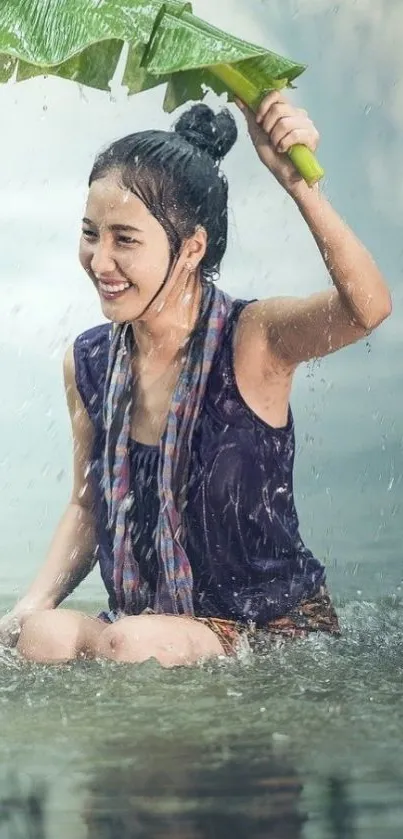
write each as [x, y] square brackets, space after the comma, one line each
[299, 329]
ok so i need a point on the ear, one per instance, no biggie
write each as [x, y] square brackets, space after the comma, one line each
[194, 248]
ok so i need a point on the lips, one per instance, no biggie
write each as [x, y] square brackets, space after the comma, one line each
[111, 289]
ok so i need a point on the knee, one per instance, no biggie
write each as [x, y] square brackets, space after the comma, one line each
[120, 643]
[135, 640]
[48, 636]
[170, 640]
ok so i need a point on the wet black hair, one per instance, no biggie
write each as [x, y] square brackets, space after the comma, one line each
[177, 176]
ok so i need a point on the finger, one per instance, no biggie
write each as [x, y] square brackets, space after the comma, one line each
[290, 123]
[267, 102]
[277, 113]
[283, 126]
[305, 136]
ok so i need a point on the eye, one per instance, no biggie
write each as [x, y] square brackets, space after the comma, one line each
[88, 234]
[127, 240]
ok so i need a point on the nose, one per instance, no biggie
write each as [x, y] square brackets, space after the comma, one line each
[102, 261]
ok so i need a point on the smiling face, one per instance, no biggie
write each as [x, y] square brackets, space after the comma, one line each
[124, 250]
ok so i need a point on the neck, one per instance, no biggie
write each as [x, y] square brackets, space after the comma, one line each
[165, 329]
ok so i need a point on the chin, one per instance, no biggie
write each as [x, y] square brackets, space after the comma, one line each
[118, 312]
[114, 312]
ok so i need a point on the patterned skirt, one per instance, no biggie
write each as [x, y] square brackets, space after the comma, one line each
[314, 615]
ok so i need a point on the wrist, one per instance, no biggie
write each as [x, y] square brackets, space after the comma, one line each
[33, 603]
[306, 197]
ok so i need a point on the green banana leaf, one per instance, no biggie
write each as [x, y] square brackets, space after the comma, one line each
[82, 40]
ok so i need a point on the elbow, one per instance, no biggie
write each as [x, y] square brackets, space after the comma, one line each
[385, 309]
[377, 314]
[388, 306]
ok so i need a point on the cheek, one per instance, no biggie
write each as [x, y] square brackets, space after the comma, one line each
[146, 264]
[84, 254]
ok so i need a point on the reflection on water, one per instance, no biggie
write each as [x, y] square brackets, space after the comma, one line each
[262, 801]
[339, 809]
[22, 812]
[199, 802]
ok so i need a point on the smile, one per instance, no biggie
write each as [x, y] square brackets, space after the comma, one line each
[110, 291]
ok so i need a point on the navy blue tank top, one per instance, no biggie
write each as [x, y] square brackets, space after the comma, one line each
[242, 532]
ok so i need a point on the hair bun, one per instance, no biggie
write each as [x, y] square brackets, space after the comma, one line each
[207, 131]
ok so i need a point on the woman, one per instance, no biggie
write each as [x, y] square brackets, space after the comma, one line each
[183, 435]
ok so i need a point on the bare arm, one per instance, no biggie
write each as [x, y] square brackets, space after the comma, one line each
[71, 554]
[303, 328]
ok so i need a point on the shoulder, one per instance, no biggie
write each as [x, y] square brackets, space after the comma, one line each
[252, 339]
[245, 331]
[93, 341]
[86, 364]
[251, 315]
[92, 346]
[235, 316]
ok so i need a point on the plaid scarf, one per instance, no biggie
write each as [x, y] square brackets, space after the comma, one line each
[175, 580]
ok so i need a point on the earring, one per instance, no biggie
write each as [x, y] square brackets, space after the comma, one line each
[189, 267]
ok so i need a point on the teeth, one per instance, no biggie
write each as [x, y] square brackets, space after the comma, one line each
[108, 288]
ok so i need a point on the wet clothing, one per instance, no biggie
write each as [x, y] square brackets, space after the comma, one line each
[241, 532]
[173, 593]
[314, 615]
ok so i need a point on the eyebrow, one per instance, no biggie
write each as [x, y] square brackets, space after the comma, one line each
[129, 228]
